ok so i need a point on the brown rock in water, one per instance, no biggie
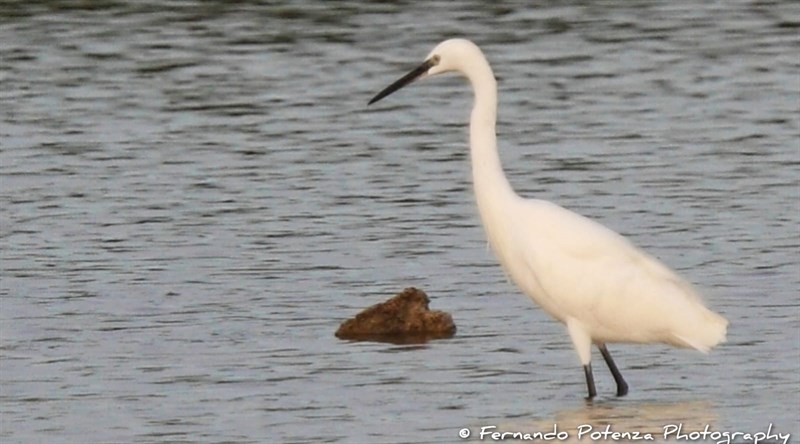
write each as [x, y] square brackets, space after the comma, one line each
[404, 318]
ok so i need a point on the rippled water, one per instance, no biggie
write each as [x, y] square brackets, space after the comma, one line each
[194, 195]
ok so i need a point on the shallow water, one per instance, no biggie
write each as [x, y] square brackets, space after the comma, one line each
[194, 196]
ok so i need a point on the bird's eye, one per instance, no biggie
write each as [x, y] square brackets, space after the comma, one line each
[435, 59]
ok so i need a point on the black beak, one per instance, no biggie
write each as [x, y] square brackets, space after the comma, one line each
[415, 74]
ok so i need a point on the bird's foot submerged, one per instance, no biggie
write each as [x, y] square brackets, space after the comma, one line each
[622, 386]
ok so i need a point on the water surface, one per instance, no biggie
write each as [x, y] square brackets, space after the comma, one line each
[194, 196]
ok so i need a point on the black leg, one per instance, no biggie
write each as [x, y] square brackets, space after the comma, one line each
[587, 369]
[622, 386]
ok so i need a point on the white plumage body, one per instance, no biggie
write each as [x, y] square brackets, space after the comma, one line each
[581, 272]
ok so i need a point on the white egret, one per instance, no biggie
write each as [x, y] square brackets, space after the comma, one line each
[586, 276]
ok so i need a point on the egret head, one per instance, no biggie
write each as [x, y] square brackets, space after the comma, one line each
[447, 56]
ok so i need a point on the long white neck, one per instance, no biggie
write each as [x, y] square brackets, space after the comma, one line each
[491, 186]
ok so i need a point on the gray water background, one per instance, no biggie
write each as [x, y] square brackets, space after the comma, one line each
[194, 195]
